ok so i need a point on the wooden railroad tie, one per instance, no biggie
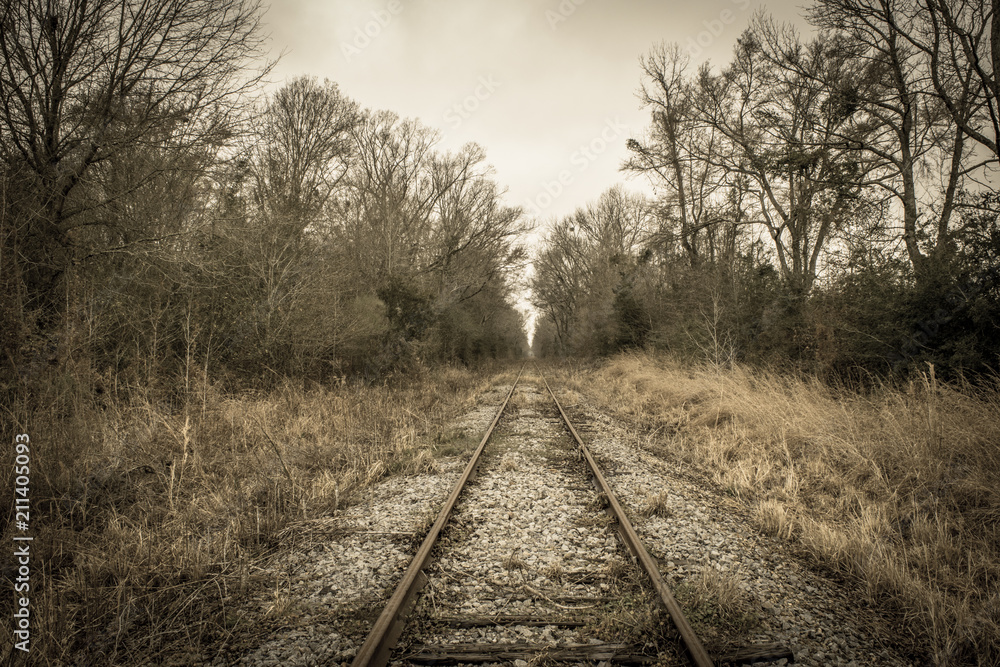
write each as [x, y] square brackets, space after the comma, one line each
[619, 654]
[527, 621]
[453, 654]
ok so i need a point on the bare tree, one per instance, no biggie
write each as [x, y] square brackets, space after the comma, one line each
[81, 81]
[679, 153]
[917, 141]
[559, 280]
[962, 40]
[618, 224]
[386, 213]
[302, 143]
[297, 154]
[784, 138]
[473, 240]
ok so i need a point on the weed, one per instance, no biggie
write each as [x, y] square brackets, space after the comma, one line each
[633, 616]
[715, 604]
[618, 570]
[508, 463]
[513, 561]
[555, 571]
[597, 518]
[657, 504]
[454, 442]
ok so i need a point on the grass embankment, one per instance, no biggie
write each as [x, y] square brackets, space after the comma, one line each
[898, 490]
[148, 521]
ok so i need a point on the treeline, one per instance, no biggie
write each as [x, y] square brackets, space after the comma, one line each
[823, 204]
[165, 222]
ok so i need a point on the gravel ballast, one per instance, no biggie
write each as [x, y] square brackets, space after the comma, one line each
[529, 539]
[699, 529]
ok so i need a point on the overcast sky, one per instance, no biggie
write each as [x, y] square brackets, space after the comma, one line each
[547, 87]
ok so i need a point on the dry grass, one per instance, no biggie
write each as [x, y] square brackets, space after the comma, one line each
[148, 521]
[508, 463]
[513, 561]
[657, 504]
[632, 613]
[897, 490]
[715, 603]
[555, 571]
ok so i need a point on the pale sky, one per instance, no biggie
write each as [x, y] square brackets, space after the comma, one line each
[547, 87]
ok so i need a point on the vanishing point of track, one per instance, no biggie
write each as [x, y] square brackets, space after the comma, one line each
[377, 649]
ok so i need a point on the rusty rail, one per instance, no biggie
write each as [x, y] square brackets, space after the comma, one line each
[695, 649]
[383, 636]
[387, 629]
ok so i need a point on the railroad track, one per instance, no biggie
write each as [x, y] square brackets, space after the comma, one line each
[539, 563]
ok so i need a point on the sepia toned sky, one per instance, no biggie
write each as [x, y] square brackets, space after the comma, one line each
[547, 87]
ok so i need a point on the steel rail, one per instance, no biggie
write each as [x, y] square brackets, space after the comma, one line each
[384, 634]
[693, 645]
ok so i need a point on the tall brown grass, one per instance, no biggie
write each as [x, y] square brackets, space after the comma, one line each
[897, 490]
[149, 518]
